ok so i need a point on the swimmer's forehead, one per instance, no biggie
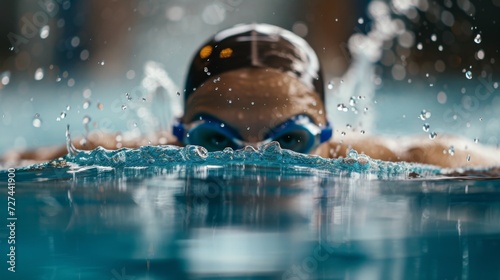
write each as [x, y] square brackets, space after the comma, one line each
[254, 97]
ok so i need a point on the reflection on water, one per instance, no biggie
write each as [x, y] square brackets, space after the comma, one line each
[254, 223]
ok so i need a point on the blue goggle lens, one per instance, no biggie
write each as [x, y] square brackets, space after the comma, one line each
[210, 137]
[298, 134]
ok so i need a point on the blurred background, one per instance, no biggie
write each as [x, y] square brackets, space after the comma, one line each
[424, 66]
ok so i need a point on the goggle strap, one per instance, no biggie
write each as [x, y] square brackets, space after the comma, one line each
[326, 133]
[178, 131]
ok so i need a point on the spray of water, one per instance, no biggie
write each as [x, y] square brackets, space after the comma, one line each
[366, 50]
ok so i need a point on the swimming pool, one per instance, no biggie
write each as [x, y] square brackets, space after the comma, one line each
[169, 213]
[247, 215]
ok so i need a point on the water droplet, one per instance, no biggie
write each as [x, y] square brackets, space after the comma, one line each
[352, 101]
[37, 122]
[362, 132]
[86, 120]
[451, 151]
[44, 32]
[101, 62]
[477, 39]
[426, 127]
[39, 74]
[222, 125]
[480, 119]
[62, 115]
[135, 124]
[5, 78]
[68, 108]
[424, 114]
[440, 48]
[476, 140]
[343, 133]
[127, 95]
[330, 85]
[352, 154]
[143, 99]
[468, 157]
[361, 20]
[420, 46]
[348, 126]
[433, 135]
[100, 106]
[124, 107]
[178, 94]
[342, 107]
[86, 104]
[468, 75]
[433, 37]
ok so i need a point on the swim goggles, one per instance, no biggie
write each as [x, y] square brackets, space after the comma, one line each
[299, 134]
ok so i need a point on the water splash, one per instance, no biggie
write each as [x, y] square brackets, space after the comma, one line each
[270, 155]
[366, 51]
[161, 91]
[72, 151]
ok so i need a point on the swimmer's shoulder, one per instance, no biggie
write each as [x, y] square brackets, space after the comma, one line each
[445, 150]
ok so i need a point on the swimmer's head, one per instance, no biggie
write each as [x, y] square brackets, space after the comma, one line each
[257, 82]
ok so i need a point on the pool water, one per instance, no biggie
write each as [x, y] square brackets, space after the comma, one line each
[246, 218]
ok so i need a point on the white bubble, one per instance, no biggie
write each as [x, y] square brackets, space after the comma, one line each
[433, 38]
[44, 32]
[39, 74]
[478, 39]
[361, 20]
[480, 55]
[86, 120]
[426, 127]
[124, 107]
[86, 104]
[5, 80]
[37, 122]
[420, 46]
[432, 135]
[468, 75]
[62, 115]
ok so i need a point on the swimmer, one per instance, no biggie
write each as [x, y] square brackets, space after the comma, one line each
[256, 83]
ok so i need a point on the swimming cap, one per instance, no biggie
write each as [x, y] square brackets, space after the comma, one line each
[255, 45]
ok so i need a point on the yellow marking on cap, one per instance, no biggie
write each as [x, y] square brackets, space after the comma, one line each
[206, 51]
[225, 53]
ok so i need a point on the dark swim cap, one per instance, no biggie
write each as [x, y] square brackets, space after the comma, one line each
[255, 45]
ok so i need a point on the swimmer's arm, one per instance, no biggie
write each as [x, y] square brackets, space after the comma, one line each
[106, 140]
[419, 150]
